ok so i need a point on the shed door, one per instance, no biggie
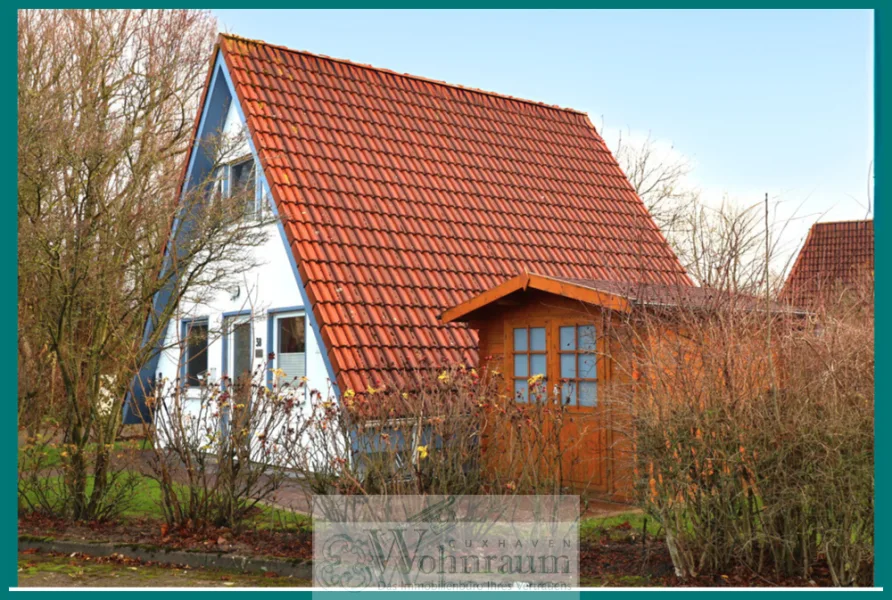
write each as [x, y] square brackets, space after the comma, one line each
[567, 353]
[579, 364]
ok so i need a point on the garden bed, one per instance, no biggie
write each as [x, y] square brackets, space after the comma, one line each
[291, 543]
[613, 551]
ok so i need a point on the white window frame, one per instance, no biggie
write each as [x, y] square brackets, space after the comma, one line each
[223, 182]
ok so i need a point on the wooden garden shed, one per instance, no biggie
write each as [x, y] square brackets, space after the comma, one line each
[580, 337]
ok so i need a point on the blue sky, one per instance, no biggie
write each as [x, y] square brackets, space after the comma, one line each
[759, 101]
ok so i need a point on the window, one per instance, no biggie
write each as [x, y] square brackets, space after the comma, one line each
[291, 346]
[529, 359]
[240, 357]
[196, 355]
[237, 180]
[242, 186]
[578, 365]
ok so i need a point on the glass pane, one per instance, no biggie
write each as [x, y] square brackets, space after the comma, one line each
[196, 352]
[587, 337]
[537, 339]
[292, 335]
[241, 350]
[568, 393]
[521, 390]
[568, 366]
[242, 183]
[520, 340]
[568, 338]
[588, 393]
[219, 184]
[537, 364]
[588, 366]
[520, 365]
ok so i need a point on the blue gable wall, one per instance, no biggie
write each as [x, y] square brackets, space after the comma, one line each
[220, 96]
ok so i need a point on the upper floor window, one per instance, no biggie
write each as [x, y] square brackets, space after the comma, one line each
[243, 184]
[238, 181]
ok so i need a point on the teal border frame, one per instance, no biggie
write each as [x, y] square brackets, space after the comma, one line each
[882, 77]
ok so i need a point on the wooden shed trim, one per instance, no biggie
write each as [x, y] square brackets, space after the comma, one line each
[527, 281]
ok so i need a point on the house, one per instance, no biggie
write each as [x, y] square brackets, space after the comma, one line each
[396, 198]
[835, 256]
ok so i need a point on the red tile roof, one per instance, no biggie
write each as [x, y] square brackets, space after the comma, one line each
[833, 254]
[404, 196]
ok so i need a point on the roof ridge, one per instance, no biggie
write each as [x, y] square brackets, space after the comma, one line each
[845, 222]
[457, 86]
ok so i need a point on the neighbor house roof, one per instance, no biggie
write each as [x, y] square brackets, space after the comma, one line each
[615, 295]
[834, 254]
[403, 196]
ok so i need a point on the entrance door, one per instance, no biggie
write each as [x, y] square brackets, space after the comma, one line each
[239, 362]
[240, 356]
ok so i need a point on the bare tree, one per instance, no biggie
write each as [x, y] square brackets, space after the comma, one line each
[720, 246]
[106, 114]
[659, 177]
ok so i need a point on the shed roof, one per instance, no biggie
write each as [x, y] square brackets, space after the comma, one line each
[836, 253]
[403, 196]
[615, 295]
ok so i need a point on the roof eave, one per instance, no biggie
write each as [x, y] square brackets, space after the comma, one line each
[525, 281]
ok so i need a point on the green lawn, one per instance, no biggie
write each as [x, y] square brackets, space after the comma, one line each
[145, 502]
[49, 455]
[615, 526]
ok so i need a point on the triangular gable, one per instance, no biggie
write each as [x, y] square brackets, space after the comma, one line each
[526, 281]
[217, 99]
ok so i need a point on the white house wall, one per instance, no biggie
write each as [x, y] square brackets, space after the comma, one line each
[270, 286]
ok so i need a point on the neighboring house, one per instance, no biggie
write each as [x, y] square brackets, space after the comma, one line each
[835, 256]
[399, 197]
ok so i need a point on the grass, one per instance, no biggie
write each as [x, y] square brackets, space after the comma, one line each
[47, 455]
[145, 502]
[615, 526]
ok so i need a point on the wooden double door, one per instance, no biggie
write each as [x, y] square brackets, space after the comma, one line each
[563, 363]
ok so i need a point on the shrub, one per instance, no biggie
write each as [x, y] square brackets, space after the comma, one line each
[440, 431]
[754, 438]
[218, 454]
